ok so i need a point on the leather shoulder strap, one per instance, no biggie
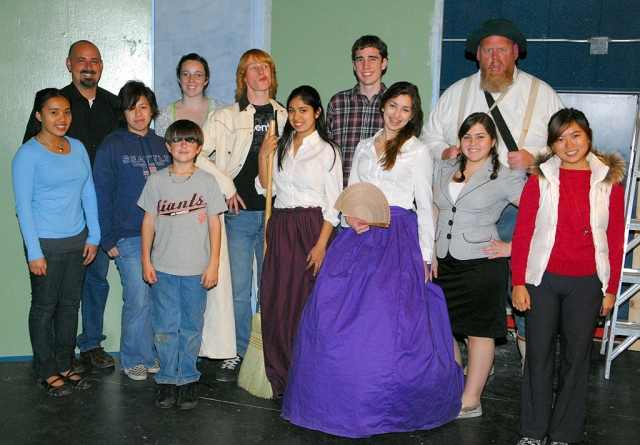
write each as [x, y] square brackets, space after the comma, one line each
[533, 95]
[500, 123]
[463, 101]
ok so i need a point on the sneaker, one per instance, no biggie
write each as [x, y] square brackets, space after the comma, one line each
[138, 372]
[76, 365]
[166, 396]
[529, 441]
[187, 398]
[155, 368]
[98, 357]
[466, 413]
[229, 370]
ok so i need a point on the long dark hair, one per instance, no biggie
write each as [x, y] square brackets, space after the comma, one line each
[562, 119]
[412, 128]
[129, 96]
[41, 99]
[196, 58]
[310, 97]
[490, 127]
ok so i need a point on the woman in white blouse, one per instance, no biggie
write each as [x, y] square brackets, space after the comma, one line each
[374, 350]
[307, 179]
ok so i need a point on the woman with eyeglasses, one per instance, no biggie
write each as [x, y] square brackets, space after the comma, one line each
[193, 77]
[470, 261]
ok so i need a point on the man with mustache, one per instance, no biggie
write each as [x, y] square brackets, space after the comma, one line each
[497, 44]
[95, 115]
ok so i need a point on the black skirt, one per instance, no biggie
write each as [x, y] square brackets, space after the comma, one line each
[476, 292]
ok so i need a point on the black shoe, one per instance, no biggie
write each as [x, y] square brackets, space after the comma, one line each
[98, 358]
[62, 390]
[76, 365]
[229, 370]
[77, 383]
[187, 398]
[166, 396]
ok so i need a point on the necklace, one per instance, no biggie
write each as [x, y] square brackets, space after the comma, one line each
[382, 141]
[60, 147]
[181, 182]
[586, 232]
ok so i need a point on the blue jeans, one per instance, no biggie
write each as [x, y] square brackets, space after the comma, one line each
[506, 225]
[55, 298]
[177, 320]
[136, 338]
[245, 237]
[94, 300]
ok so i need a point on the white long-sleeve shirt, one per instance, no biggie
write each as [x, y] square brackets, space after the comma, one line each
[441, 129]
[409, 179]
[312, 179]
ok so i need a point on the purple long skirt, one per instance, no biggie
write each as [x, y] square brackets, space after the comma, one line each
[285, 285]
[374, 351]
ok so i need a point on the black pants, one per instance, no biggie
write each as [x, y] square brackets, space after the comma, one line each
[55, 298]
[571, 304]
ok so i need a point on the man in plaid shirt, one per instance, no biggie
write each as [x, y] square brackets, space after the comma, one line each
[353, 115]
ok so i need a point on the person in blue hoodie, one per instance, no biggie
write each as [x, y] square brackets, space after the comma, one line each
[124, 161]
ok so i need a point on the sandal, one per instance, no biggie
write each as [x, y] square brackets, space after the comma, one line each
[81, 383]
[61, 390]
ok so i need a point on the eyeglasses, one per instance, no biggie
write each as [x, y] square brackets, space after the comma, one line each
[187, 139]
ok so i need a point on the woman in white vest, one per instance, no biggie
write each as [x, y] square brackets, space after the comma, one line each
[566, 264]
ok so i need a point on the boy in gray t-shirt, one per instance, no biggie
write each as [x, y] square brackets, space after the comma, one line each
[182, 206]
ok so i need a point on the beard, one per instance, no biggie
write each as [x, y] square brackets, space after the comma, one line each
[88, 82]
[498, 82]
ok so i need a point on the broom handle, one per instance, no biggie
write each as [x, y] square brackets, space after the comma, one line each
[267, 210]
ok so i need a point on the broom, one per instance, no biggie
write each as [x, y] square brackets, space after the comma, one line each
[253, 376]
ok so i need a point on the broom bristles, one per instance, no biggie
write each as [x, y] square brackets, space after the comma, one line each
[252, 376]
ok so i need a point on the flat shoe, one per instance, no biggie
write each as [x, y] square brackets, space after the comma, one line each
[466, 413]
[82, 383]
[62, 390]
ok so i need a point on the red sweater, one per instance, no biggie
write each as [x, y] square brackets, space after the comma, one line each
[573, 252]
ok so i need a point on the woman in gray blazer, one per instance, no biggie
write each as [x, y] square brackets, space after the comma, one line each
[470, 261]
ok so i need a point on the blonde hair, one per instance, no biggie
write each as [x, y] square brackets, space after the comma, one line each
[254, 56]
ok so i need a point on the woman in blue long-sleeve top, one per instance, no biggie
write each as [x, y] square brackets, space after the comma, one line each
[58, 216]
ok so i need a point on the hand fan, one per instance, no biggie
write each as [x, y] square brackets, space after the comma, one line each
[365, 201]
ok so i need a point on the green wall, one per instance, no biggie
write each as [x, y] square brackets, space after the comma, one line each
[311, 42]
[35, 38]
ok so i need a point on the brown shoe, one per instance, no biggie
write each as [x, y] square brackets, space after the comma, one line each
[99, 358]
[77, 365]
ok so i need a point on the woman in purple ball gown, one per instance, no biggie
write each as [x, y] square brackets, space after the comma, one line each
[374, 350]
